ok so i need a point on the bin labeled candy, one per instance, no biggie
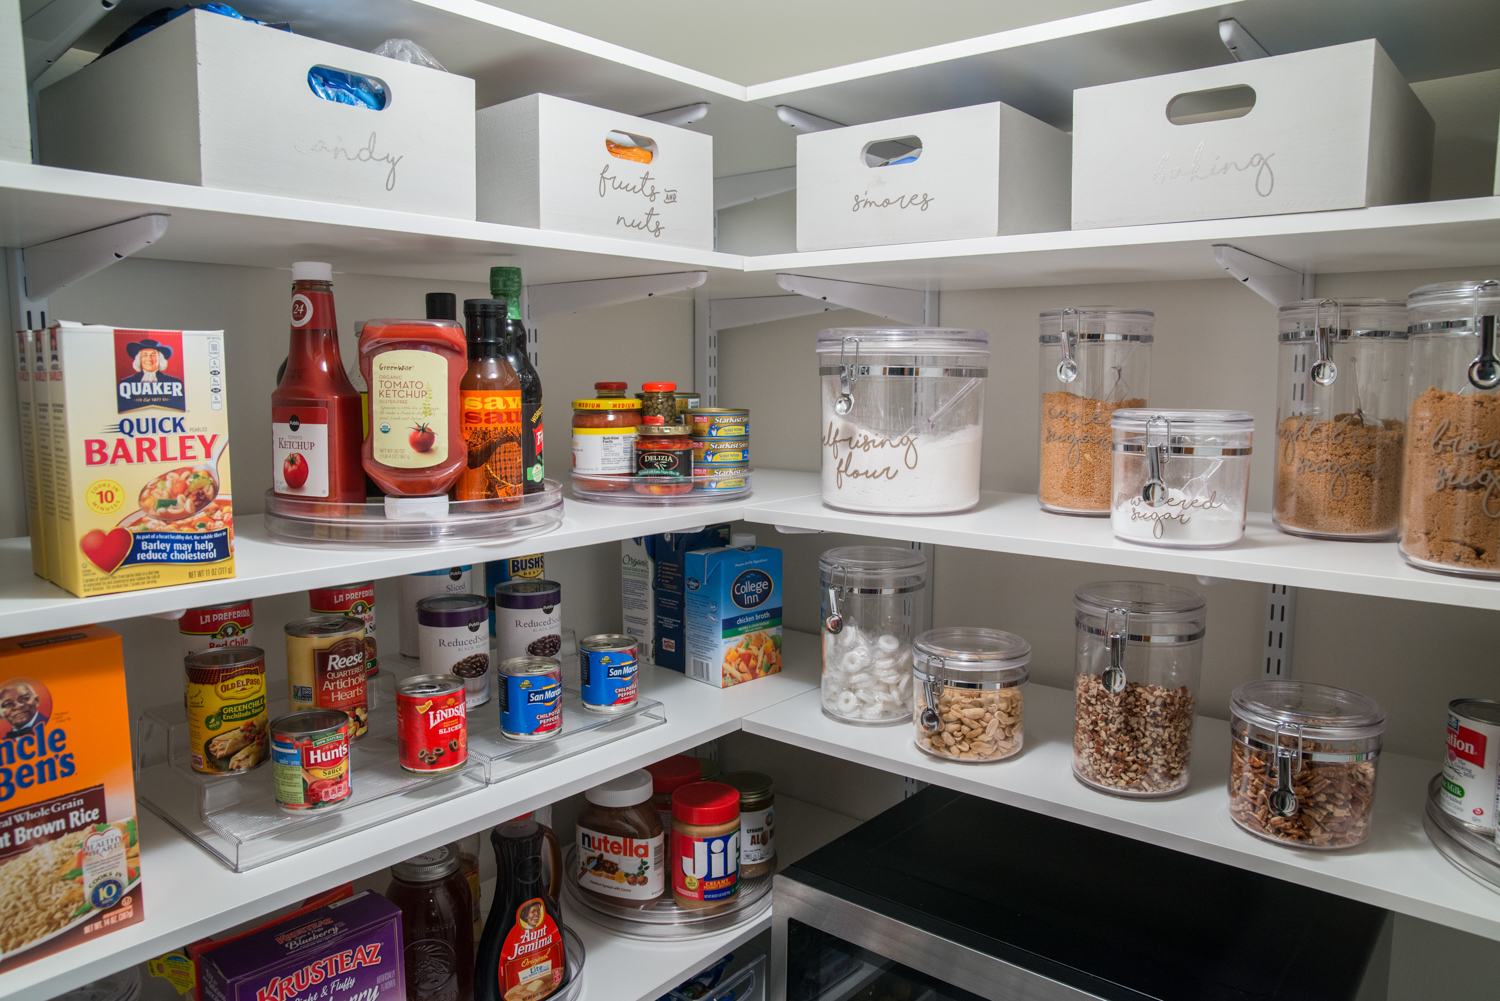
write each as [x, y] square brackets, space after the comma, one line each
[969, 685]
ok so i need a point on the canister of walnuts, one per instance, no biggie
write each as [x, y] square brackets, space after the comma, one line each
[453, 640]
[969, 687]
[757, 822]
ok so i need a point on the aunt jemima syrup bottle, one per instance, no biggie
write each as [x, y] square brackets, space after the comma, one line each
[520, 957]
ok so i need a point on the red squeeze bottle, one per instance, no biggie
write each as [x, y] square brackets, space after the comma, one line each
[414, 369]
[316, 425]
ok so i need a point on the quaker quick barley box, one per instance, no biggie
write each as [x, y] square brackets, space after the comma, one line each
[733, 614]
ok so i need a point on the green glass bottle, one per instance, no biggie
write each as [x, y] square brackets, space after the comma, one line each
[505, 283]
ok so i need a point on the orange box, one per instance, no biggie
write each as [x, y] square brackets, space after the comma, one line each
[70, 858]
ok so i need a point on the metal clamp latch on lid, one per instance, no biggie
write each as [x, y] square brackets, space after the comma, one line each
[932, 684]
[1324, 371]
[1067, 369]
[844, 402]
[1484, 373]
[1117, 632]
[1288, 763]
[1158, 434]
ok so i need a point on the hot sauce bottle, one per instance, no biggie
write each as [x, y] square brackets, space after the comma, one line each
[521, 952]
[491, 399]
[413, 368]
[315, 411]
[505, 283]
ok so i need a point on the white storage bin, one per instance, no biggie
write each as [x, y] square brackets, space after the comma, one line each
[1333, 128]
[211, 100]
[982, 171]
[543, 163]
[15, 118]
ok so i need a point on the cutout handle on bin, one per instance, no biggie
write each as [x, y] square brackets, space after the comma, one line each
[629, 146]
[890, 152]
[346, 87]
[1216, 105]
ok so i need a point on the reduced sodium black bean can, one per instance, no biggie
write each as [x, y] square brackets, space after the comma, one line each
[607, 670]
[310, 760]
[528, 619]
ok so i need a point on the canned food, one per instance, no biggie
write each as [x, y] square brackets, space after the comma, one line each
[721, 452]
[413, 588]
[722, 478]
[497, 572]
[719, 422]
[455, 642]
[528, 619]
[530, 698]
[216, 626]
[1471, 768]
[685, 400]
[432, 724]
[357, 600]
[226, 708]
[325, 667]
[310, 760]
[607, 667]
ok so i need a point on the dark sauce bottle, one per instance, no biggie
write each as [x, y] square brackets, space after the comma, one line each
[505, 283]
[521, 952]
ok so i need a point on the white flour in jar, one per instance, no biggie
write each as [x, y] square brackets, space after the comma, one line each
[864, 470]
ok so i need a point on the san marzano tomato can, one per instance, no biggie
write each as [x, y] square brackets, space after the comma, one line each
[432, 725]
[310, 760]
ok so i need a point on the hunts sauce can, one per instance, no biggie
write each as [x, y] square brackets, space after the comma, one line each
[607, 667]
[310, 760]
[325, 667]
[217, 626]
[432, 725]
[530, 698]
[226, 708]
[357, 600]
[1471, 767]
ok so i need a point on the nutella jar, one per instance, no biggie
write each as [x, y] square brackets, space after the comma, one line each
[666, 776]
[621, 846]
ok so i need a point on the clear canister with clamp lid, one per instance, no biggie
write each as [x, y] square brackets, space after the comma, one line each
[874, 605]
[1182, 477]
[1138, 660]
[1302, 762]
[969, 690]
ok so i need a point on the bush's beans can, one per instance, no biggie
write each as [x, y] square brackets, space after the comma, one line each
[325, 667]
[357, 600]
[1471, 768]
[226, 707]
[528, 619]
[432, 724]
[497, 572]
[530, 698]
[719, 422]
[454, 641]
[310, 760]
[216, 626]
[413, 588]
[607, 669]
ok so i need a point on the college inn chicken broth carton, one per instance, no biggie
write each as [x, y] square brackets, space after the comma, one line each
[733, 614]
[133, 458]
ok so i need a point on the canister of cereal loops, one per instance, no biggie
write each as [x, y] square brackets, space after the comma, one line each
[325, 667]
[528, 619]
[310, 760]
[432, 725]
[719, 422]
[607, 670]
[1471, 768]
[226, 707]
[357, 600]
[216, 626]
[530, 698]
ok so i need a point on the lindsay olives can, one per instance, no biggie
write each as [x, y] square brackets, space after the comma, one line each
[530, 698]
[432, 724]
[310, 760]
[719, 422]
[607, 669]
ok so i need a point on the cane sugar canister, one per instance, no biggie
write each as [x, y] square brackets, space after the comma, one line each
[1181, 477]
[903, 416]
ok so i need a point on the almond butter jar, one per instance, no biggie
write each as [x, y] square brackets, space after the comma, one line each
[969, 687]
[621, 844]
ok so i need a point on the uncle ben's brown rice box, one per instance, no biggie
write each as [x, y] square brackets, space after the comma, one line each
[136, 439]
[70, 867]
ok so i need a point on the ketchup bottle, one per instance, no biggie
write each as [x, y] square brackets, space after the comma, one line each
[521, 952]
[316, 424]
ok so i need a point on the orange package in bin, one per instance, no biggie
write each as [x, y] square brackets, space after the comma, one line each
[70, 857]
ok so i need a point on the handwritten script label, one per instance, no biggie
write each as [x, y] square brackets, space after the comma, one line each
[918, 202]
[364, 154]
[1468, 479]
[902, 451]
[1197, 170]
[1174, 509]
[1073, 439]
[644, 187]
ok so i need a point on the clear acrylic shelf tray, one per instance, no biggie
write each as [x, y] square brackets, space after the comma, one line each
[664, 919]
[322, 523]
[235, 817]
[661, 491]
[1471, 850]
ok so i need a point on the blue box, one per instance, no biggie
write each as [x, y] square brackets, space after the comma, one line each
[669, 643]
[733, 614]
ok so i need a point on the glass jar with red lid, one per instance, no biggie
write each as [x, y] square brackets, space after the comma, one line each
[667, 776]
[659, 399]
[663, 457]
[610, 390]
[604, 433]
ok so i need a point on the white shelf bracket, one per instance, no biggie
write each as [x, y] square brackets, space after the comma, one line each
[685, 115]
[737, 189]
[802, 121]
[1281, 617]
[1240, 43]
[726, 314]
[53, 28]
[37, 272]
[904, 305]
[1273, 282]
[556, 299]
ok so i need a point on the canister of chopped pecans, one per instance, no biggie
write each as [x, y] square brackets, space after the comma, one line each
[969, 689]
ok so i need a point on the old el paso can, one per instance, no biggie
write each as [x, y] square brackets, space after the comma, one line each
[310, 760]
[432, 724]
[607, 669]
[530, 698]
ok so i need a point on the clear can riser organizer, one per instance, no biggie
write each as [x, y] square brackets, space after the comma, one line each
[435, 522]
[902, 418]
[648, 490]
[1181, 477]
[874, 606]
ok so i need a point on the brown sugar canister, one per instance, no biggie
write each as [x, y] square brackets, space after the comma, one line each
[705, 856]
[621, 844]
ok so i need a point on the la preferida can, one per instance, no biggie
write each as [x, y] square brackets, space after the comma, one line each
[432, 724]
[413, 588]
[310, 760]
[136, 446]
[607, 669]
[357, 600]
[226, 707]
[216, 626]
[528, 619]
[530, 698]
[1470, 782]
[719, 422]
[325, 667]
[454, 642]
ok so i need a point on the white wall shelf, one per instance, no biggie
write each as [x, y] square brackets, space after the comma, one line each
[1397, 868]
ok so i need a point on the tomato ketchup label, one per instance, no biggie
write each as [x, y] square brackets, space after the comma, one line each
[299, 453]
[706, 869]
[531, 961]
[409, 408]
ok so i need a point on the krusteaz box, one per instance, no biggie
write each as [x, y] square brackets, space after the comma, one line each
[733, 614]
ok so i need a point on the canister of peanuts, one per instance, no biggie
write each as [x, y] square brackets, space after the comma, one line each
[1471, 768]
[432, 725]
[968, 686]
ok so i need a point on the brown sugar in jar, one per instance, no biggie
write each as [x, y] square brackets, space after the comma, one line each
[621, 845]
